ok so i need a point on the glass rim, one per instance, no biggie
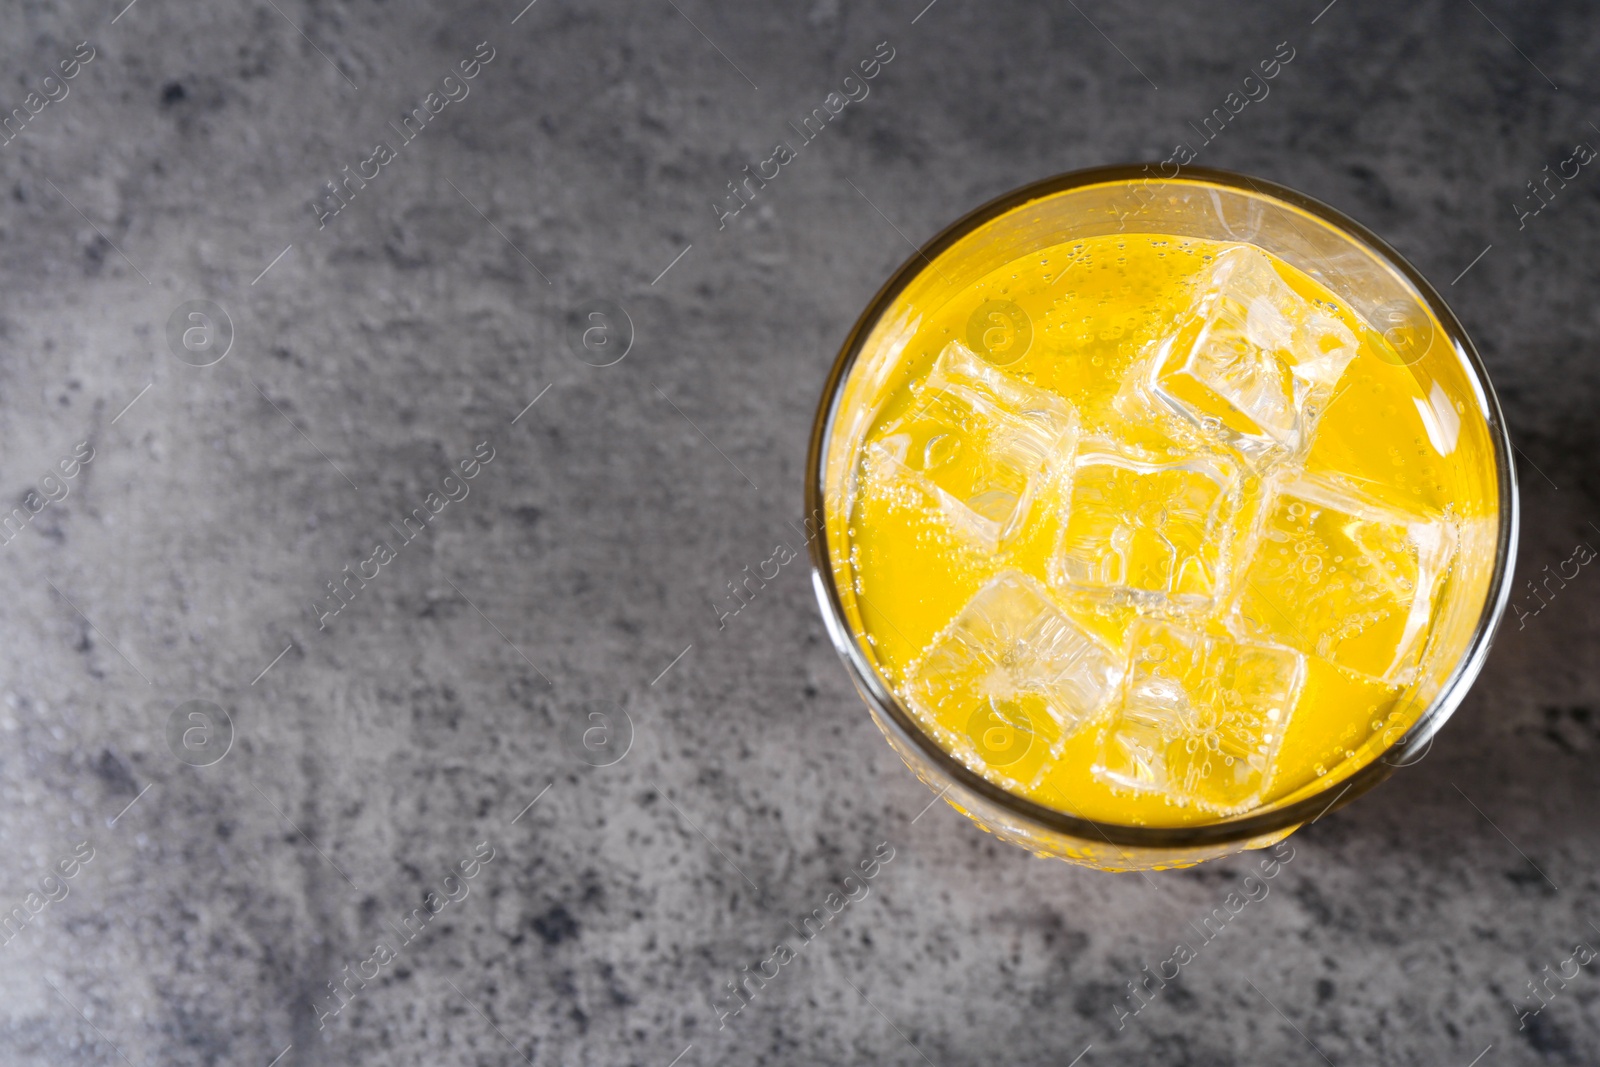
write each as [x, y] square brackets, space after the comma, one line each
[893, 715]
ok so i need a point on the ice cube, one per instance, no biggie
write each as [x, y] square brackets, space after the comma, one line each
[1202, 717]
[981, 443]
[1150, 533]
[1010, 680]
[1252, 362]
[1339, 575]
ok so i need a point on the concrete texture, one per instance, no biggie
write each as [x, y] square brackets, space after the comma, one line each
[407, 737]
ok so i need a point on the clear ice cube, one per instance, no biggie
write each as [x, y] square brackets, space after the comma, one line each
[1154, 534]
[1202, 717]
[1010, 680]
[981, 443]
[1252, 362]
[1338, 575]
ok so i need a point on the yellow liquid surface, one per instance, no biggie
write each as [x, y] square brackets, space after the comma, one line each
[1152, 557]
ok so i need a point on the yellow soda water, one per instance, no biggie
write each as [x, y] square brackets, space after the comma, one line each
[1154, 530]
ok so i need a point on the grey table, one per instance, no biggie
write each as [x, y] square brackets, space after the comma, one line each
[377, 747]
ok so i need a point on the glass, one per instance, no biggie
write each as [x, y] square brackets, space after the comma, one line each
[1374, 280]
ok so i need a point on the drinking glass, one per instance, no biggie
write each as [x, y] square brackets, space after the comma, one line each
[1359, 268]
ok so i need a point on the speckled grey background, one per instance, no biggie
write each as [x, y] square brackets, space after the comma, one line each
[373, 756]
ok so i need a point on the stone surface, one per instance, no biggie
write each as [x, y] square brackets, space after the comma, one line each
[468, 677]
